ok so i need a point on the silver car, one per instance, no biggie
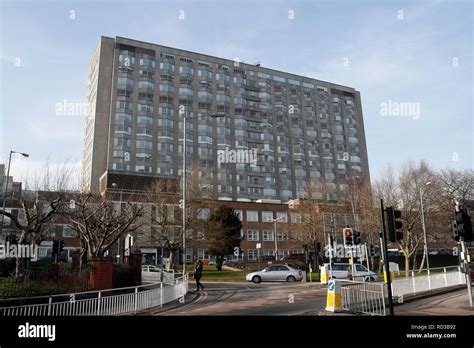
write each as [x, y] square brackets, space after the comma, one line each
[275, 273]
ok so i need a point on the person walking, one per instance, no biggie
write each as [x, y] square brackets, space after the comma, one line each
[198, 274]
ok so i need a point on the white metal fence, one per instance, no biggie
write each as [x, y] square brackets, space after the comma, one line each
[363, 297]
[437, 278]
[105, 302]
[370, 297]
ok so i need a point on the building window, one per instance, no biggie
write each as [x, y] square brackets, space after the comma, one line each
[295, 218]
[143, 169]
[204, 213]
[145, 107]
[268, 252]
[125, 81]
[165, 159]
[147, 62]
[165, 146]
[144, 119]
[267, 216]
[252, 235]
[282, 216]
[252, 216]
[252, 254]
[120, 116]
[144, 144]
[143, 156]
[282, 253]
[167, 66]
[120, 166]
[282, 236]
[189, 255]
[203, 254]
[267, 236]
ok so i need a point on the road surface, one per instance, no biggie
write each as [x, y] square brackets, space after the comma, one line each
[234, 298]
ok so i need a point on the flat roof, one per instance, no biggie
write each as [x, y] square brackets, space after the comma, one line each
[230, 61]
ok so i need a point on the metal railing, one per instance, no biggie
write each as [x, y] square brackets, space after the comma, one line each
[370, 297]
[104, 302]
[437, 278]
[363, 297]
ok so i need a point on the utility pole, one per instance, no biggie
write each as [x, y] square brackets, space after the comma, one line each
[184, 195]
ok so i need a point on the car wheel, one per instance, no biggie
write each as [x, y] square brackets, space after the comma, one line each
[371, 279]
[256, 279]
[290, 279]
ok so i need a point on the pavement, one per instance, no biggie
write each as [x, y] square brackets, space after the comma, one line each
[454, 303]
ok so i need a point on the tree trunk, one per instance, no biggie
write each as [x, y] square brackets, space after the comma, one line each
[415, 260]
[407, 264]
[422, 262]
[219, 261]
[171, 259]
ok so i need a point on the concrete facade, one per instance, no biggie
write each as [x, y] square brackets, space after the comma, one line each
[301, 129]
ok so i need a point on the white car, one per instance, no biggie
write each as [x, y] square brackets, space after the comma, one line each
[275, 273]
[340, 271]
[152, 273]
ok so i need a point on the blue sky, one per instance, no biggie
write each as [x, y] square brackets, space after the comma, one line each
[399, 51]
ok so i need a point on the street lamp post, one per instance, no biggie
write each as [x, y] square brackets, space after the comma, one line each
[275, 234]
[119, 256]
[184, 181]
[425, 251]
[6, 184]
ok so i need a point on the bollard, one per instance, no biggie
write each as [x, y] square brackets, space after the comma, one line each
[324, 274]
[334, 302]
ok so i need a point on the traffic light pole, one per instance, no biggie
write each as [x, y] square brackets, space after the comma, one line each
[464, 256]
[385, 260]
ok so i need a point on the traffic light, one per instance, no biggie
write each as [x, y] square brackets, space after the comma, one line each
[317, 247]
[372, 250]
[55, 247]
[348, 235]
[463, 225]
[456, 235]
[394, 224]
[356, 237]
[61, 246]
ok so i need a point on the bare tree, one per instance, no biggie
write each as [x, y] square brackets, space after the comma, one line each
[39, 210]
[457, 185]
[404, 192]
[165, 231]
[56, 177]
[166, 217]
[100, 223]
[311, 207]
[360, 199]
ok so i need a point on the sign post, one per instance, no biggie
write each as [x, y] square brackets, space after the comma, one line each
[259, 246]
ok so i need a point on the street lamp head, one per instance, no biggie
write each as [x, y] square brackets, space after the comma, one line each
[114, 185]
[24, 154]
